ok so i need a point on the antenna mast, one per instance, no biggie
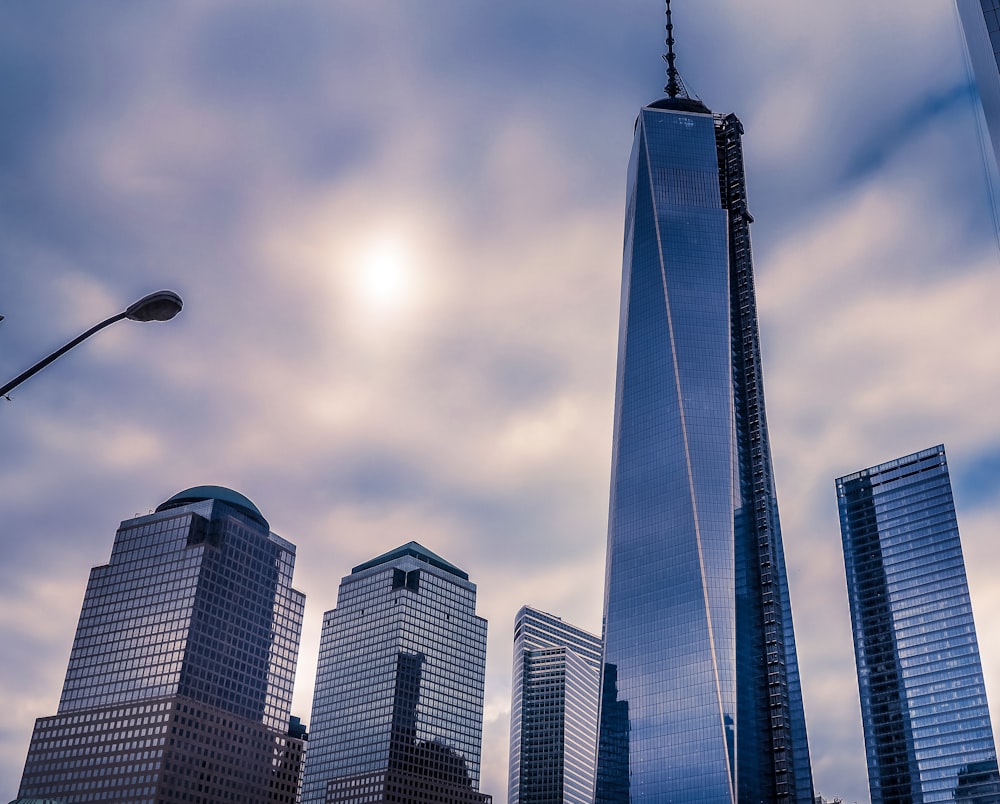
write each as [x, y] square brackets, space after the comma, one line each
[674, 86]
[678, 95]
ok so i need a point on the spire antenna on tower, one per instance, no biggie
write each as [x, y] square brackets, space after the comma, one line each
[679, 97]
[674, 86]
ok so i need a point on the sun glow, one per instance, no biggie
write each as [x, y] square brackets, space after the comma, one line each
[385, 275]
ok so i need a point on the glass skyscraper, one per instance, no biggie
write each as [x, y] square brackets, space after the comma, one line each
[923, 702]
[180, 678]
[700, 698]
[981, 28]
[553, 714]
[398, 704]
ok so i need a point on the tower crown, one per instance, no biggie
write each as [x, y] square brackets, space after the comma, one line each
[678, 98]
[221, 493]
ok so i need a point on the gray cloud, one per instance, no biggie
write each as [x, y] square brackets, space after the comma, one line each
[398, 232]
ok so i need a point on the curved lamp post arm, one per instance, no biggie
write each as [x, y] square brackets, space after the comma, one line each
[58, 353]
[160, 306]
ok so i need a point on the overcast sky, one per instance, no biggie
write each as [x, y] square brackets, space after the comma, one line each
[397, 229]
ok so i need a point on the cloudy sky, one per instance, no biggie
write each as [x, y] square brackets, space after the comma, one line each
[397, 230]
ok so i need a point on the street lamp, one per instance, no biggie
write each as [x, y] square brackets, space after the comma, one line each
[160, 306]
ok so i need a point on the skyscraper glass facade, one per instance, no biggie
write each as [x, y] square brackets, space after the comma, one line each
[188, 638]
[700, 698]
[553, 715]
[398, 703]
[927, 725]
[981, 28]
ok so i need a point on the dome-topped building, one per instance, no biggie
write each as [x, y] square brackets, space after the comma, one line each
[188, 640]
[221, 493]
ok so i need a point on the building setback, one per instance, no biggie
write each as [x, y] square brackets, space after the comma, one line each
[701, 698]
[927, 725]
[179, 682]
[555, 693]
[398, 704]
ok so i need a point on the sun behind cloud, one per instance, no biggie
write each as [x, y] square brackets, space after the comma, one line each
[385, 274]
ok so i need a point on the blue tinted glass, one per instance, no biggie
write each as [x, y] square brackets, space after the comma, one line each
[698, 627]
[190, 633]
[923, 701]
[398, 699]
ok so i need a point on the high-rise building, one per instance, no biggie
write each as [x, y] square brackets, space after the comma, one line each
[701, 698]
[981, 28]
[553, 711]
[923, 702]
[179, 683]
[398, 704]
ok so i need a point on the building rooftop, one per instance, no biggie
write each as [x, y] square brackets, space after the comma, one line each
[680, 104]
[418, 551]
[197, 494]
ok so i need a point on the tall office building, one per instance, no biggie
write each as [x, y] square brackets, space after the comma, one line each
[179, 683]
[923, 703]
[553, 711]
[701, 698]
[398, 704]
[981, 28]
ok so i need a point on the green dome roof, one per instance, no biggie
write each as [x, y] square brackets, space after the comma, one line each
[220, 493]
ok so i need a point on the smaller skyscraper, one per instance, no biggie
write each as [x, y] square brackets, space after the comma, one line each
[398, 704]
[179, 682]
[927, 727]
[554, 711]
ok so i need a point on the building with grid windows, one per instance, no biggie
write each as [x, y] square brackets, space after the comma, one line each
[180, 678]
[555, 694]
[701, 698]
[923, 701]
[398, 704]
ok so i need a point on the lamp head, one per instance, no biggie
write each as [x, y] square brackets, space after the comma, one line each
[160, 306]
